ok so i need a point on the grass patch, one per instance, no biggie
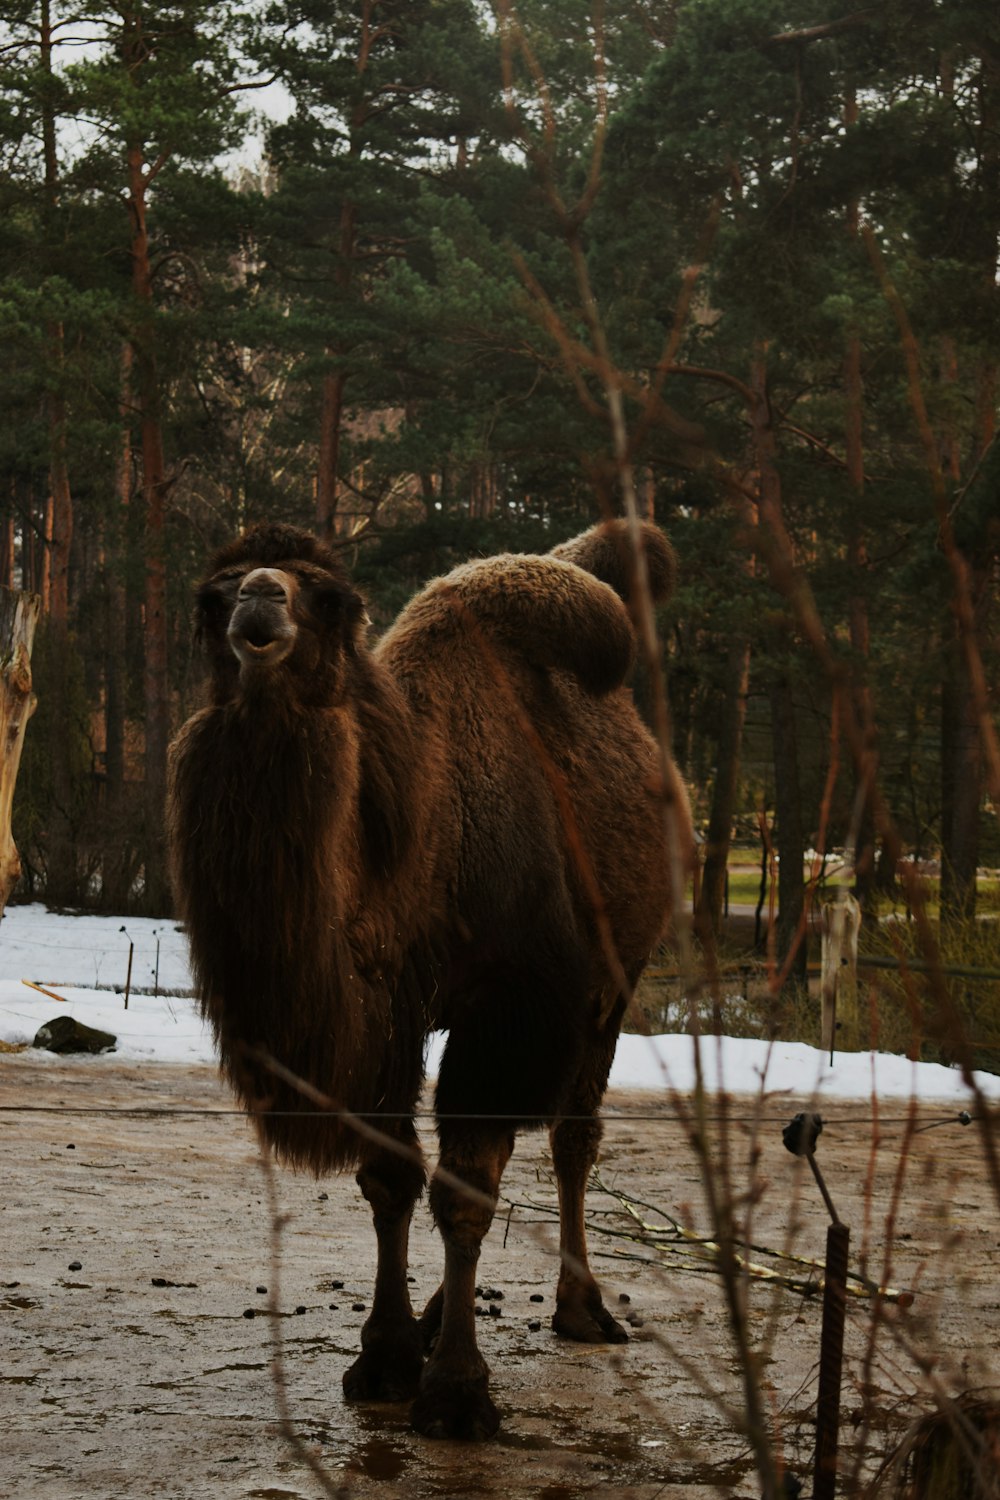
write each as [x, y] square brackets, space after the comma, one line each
[928, 1006]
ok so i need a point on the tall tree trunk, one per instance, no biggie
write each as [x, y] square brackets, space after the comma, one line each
[59, 517]
[962, 746]
[154, 490]
[859, 630]
[788, 799]
[334, 385]
[961, 786]
[790, 838]
[857, 570]
[330, 428]
[117, 864]
[711, 898]
[62, 874]
[7, 557]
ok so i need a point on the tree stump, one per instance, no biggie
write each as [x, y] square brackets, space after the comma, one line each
[18, 618]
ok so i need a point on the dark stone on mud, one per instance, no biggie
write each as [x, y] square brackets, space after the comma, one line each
[357, 1307]
[536, 1297]
[495, 1312]
[248, 1312]
[65, 1034]
[324, 1197]
[299, 1310]
[262, 1291]
[534, 1325]
[75, 1265]
[624, 1297]
[336, 1286]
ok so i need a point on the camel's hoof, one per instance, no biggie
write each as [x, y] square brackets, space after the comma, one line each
[588, 1325]
[459, 1409]
[384, 1373]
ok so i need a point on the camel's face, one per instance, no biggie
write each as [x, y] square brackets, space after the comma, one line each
[290, 615]
[262, 629]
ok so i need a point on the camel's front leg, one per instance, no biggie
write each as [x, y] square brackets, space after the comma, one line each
[391, 1359]
[454, 1399]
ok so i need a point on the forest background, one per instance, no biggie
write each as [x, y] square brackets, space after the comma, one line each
[493, 272]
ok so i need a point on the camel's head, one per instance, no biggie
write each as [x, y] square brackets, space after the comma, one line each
[278, 598]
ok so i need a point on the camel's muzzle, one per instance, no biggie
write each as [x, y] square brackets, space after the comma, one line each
[261, 630]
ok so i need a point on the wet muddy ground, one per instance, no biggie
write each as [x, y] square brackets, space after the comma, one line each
[137, 1351]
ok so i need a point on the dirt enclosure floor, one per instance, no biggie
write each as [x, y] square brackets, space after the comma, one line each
[137, 1350]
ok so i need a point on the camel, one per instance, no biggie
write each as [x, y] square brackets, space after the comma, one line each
[463, 829]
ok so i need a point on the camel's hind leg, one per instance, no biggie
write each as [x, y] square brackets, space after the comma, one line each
[575, 1138]
[391, 1359]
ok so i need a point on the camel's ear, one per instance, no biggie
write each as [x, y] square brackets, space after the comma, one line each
[341, 609]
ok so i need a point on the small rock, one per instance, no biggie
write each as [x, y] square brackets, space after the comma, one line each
[75, 1265]
[334, 1306]
[71, 1147]
[324, 1198]
[495, 1312]
[357, 1307]
[536, 1297]
[624, 1297]
[248, 1312]
[65, 1034]
[336, 1286]
[634, 1320]
[299, 1310]
[534, 1325]
[262, 1291]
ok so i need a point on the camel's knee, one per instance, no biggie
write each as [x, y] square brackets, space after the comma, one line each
[391, 1184]
[464, 1198]
[463, 1213]
[575, 1144]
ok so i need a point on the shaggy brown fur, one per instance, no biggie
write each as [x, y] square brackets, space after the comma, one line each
[370, 844]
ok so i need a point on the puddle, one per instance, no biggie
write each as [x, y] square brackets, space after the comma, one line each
[379, 1459]
[535, 1441]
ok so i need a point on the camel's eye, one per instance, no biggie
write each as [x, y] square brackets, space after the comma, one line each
[213, 602]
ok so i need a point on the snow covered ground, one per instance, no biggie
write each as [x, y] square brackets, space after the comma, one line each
[84, 959]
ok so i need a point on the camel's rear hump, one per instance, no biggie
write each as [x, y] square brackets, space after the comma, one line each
[562, 611]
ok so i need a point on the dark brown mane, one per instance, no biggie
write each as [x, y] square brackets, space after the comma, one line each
[458, 830]
[272, 542]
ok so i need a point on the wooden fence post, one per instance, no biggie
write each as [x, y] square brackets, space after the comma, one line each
[841, 922]
[18, 618]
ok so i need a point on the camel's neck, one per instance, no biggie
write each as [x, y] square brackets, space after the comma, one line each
[284, 825]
